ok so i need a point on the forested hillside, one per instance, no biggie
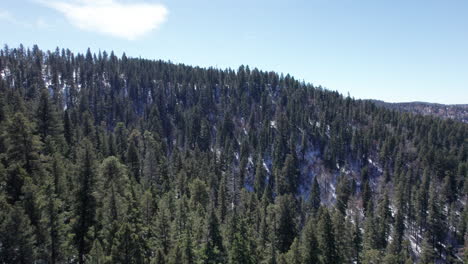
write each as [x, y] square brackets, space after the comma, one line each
[108, 159]
[457, 112]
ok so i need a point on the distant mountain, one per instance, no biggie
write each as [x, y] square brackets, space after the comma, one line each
[457, 112]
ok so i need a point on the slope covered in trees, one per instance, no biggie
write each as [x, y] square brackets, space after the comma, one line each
[109, 159]
[457, 112]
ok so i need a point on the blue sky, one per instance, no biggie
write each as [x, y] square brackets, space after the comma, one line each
[395, 50]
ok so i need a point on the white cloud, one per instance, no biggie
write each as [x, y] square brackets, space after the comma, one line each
[124, 20]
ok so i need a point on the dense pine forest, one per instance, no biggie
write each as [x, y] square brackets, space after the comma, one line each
[107, 159]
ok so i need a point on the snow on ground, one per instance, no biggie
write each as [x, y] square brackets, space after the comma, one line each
[333, 192]
[345, 171]
[266, 167]
[5, 73]
[273, 124]
[392, 210]
[375, 165]
[414, 246]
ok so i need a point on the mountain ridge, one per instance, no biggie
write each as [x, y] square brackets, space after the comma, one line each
[187, 164]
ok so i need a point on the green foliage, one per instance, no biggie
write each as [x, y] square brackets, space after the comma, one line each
[310, 250]
[140, 161]
[16, 236]
[85, 201]
[326, 238]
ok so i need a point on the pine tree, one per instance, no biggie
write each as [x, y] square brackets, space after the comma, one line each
[163, 227]
[326, 238]
[384, 220]
[398, 232]
[309, 243]
[342, 229]
[357, 241]
[343, 192]
[17, 237]
[121, 132]
[213, 250]
[286, 229]
[288, 177]
[294, 254]
[97, 255]
[367, 198]
[428, 253]
[435, 219]
[159, 259]
[85, 207]
[422, 202]
[260, 177]
[48, 121]
[67, 128]
[111, 195]
[23, 145]
[133, 159]
[113, 175]
[151, 160]
[187, 248]
[239, 248]
[222, 200]
[54, 219]
[130, 245]
[314, 199]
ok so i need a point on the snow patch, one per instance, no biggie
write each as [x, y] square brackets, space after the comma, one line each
[5, 73]
[333, 193]
[266, 167]
[273, 124]
[375, 165]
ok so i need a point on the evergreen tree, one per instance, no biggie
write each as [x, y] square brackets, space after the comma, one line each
[436, 228]
[357, 241]
[260, 177]
[428, 253]
[239, 251]
[85, 207]
[343, 192]
[23, 145]
[213, 250]
[130, 245]
[132, 158]
[54, 220]
[309, 242]
[286, 229]
[287, 178]
[314, 199]
[294, 254]
[326, 238]
[48, 121]
[384, 220]
[17, 237]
